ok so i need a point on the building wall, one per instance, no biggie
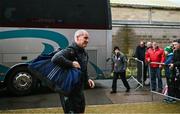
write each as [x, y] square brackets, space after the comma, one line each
[142, 14]
[166, 15]
[129, 14]
[128, 37]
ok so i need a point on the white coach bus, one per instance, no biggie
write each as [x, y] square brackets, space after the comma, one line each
[29, 28]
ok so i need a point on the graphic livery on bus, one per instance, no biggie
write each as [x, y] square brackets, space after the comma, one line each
[30, 28]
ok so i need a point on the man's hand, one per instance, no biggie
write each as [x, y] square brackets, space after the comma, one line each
[148, 61]
[171, 66]
[76, 64]
[91, 83]
[160, 66]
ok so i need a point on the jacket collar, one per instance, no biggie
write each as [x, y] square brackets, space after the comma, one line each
[75, 46]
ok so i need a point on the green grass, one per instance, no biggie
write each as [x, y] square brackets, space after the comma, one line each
[149, 107]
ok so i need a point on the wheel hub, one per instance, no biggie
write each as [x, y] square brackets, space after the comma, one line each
[22, 81]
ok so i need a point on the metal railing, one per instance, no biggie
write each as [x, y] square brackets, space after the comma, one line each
[155, 92]
[132, 77]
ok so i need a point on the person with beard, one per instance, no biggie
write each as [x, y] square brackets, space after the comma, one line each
[119, 63]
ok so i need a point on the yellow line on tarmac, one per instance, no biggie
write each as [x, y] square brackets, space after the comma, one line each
[126, 108]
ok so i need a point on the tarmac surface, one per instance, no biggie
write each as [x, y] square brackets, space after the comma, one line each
[98, 96]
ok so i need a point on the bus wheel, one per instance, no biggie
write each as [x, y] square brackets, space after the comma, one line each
[21, 81]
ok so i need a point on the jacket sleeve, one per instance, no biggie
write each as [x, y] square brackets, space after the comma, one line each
[176, 60]
[177, 64]
[168, 60]
[147, 55]
[162, 57]
[124, 63]
[136, 53]
[112, 64]
[64, 58]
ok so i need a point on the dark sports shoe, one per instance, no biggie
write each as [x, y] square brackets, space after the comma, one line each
[169, 100]
[165, 100]
[112, 92]
[127, 90]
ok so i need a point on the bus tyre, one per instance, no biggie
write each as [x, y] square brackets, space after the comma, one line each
[21, 81]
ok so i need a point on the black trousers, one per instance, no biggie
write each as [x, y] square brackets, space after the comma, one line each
[123, 78]
[177, 88]
[176, 81]
[171, 86]
[74, 103]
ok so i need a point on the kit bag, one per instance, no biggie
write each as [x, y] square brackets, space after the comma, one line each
[59, 79]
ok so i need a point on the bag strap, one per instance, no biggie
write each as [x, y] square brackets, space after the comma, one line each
[55, 51]
[75, 52]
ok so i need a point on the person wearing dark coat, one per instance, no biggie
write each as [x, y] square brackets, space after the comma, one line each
[75, 56]
[140, 55]
[175, 66]
[169, 55]
[119, 65]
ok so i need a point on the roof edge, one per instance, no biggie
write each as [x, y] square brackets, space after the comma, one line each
[144, 6]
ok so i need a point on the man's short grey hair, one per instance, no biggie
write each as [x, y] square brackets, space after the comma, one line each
[80, 33]
[149, 44]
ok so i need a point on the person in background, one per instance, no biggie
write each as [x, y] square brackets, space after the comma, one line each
[75, 56]
[148, 45]
[147, 81]
[175, 66]
[140, 55]
[155, 54]
[169, 55]
[119, 63]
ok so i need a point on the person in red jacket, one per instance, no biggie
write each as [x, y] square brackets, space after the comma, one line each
[155, 54]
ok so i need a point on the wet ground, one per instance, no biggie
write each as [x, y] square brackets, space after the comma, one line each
[98, 96]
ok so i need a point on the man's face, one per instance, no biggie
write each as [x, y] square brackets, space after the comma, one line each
[116, 51]
[149, 44]
[83, 40]
[142, 44]
[176, 45]
[154, 45]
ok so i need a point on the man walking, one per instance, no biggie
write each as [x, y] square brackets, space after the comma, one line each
[75, 56]
[119, 68]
